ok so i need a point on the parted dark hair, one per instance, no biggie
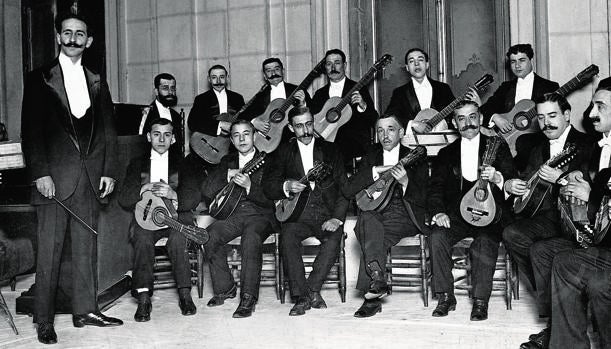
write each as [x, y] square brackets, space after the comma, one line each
[61, 17]
[272, 60]
[604, 84]
[336, 51]
[160, 122]
[390, 116]
[217, 66]
[164, 76]
[554, 97]
[523, 48]
[463, 103]
[416, 49]
[296, 112]
[242, 122]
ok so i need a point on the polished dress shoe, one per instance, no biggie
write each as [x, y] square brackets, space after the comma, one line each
[538, 341]
[187, 307]
[46, 333]
[316, 300]
[303, 304]
[95, 319]
[479, 311]
[246, 307]
[369, 308]
[377, 289]
[446, 303]
[219, 299]
[143, 313]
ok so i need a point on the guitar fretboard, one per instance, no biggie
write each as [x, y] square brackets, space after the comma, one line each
[302, 86]
[408, 159]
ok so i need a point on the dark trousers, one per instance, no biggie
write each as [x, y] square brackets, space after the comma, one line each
[309, 224]
[523, 233]
[483, 253]
[54, 225]
[579, 276]
[248, 222]
[377, 232]
[144, 257]
[542, 255]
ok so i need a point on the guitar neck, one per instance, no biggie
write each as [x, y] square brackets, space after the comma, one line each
[235, 116]
[365, 80]
[302, 86]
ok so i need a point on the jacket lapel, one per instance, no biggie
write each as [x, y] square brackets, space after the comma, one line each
[412, 99]
[93, 83]
[55, 80]
[511, 94]
[297, 159]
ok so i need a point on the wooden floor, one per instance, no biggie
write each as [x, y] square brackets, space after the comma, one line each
[403, 323]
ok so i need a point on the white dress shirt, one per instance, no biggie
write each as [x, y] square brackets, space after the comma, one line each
[221, 97]
[424, 93]
[164, 113]
[336, 88]
[524, 87]
[75, 84]
[159, 166]
[605, 152]
[557, 145]
[389, 158]
[307, 161]
[278, 91]
[469, 157]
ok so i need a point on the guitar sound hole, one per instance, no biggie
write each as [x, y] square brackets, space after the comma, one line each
[276, 116]
[521, 122]
[481, 194]
[159, 215]
[332, 116]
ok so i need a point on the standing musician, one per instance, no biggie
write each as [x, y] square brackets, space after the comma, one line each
[273, 73]
[70, 142]
[553, 116]
[454, 172]
[379, 230]
[161, 107]
[419, 93]
[354, 136]
[525, 85]
[157, 171]
[252, 219]
[323, 215]
[560, 304]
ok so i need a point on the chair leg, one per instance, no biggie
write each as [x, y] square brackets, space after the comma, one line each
[508, 281]
[200, 272]
[13, 283]
[9, 316]
[423, 276]
[342, 270]
[389, 270]
[277, 268]
[516, 280]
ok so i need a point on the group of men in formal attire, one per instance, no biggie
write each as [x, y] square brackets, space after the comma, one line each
[69, 141]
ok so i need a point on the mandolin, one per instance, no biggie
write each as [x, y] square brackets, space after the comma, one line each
[337, 112]
[275, 114]
[436, 120]
[155, 213]
[529, 203]
[292, 207]
[378, 194]
[477, 206]
[213, 148]
[522, 116]
[227, 199]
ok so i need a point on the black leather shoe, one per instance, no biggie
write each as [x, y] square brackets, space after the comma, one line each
[187, 307]
[479, 312]
[538, 341]
[143, 313]
[369, 308]
[377, 289]
[219, 299]
[303, 304]
[446, 303]
[246, 307]
[95, 319]
[316, 300]
[46, 333]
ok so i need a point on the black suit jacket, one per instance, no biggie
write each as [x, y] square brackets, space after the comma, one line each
[153, 114]
[286, 164]
[263, 99]
[355, 135]
[415, 195]
[445, 192]
[50, 145]
[503, 98]
[404, 102]
[202, 117]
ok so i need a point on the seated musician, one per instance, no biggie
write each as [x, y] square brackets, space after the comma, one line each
[553, 116]
[380, 229]
[322, 217]
[252, 219]
[454, 172]
[569, 261]
[157, 172]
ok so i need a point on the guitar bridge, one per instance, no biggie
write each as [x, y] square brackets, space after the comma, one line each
[475, 211]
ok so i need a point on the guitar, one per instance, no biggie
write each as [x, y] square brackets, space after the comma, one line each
[575, 223]
[155, 213]
[436, 120]
[522, 116]
[275, 114]
[336, 112]
[376, 196]
[292, 207]
[537, 189]
[213, 148]
[227, 199]
[478, 207]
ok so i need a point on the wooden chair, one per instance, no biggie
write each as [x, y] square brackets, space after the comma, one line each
[337, 274]
[507, 282]
[163, 277]
[407, 265]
